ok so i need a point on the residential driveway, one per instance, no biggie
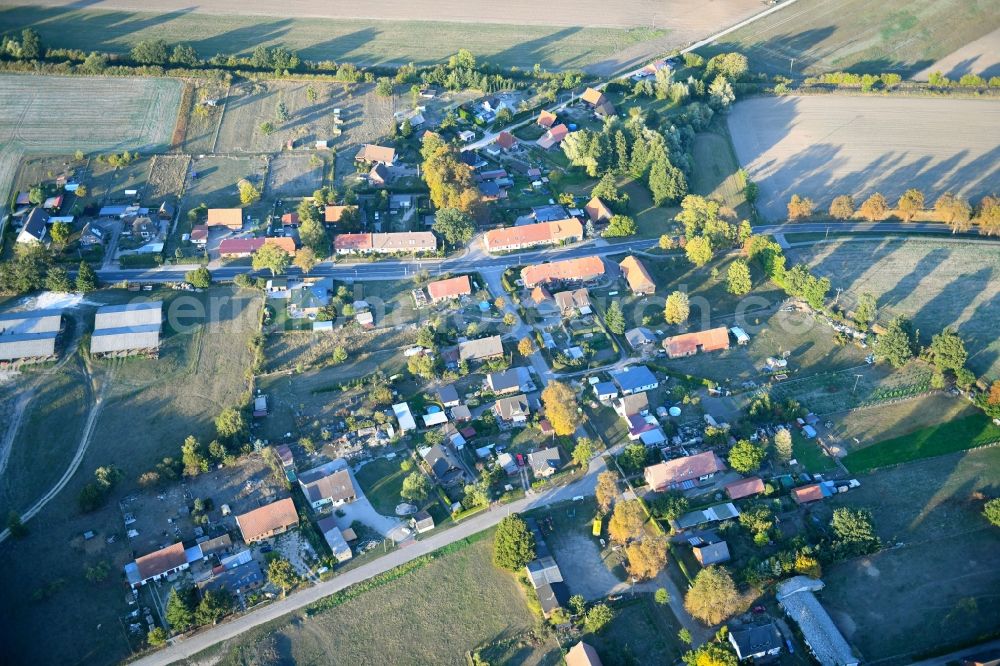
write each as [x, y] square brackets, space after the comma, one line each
[362, 510]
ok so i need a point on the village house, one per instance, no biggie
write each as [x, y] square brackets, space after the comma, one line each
[582, 654]
[797, 597]
[455, 287]
[573, 303]
[599, 102]
[553, 137]
[546, 119]
[268, 521]
[748, 487]
[605, 391]
[640, 338]
[379, 175]
[166, 211]
[443, 464]
[335, 539]
[597, 210]
[404, 417]
[583, 269]
[290, 220]
[244, 247]
[683, 473]
[385, 243]
[199, 235]
[235, 580]
[756, 641]
[532, 235]
[512, 410]
[481, 349]
[328, 484]
[635, 379]
[145, 228]
[231, 218]
[506, 141]
[630, 405]
[638, 278]
[334, 214]
[513, 380]
[156, 565]
[544, 463]
[711, 553]
[91, 235]
[372, 154]
[689, 344]
[35, 228]
[422, 522]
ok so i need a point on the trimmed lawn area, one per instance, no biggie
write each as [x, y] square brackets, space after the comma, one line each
[810, 455]
[949, 437]
[381, 480]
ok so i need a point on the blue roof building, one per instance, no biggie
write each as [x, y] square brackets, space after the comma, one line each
[635, 379]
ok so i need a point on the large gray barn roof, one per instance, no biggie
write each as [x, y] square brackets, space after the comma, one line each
[31, 321]
[129, 314]
[27, 345]
[125, 338]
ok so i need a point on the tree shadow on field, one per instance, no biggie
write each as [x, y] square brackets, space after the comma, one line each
[984, 65]
[906, 69]
[786, 54]
[539, 51]
[951, 302]
[353, 46]
[243, 40]
[841, 265]
[980, 339]
[911, 281]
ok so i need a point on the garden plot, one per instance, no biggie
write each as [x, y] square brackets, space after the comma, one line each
[166, 178]
[938, 588]
[59, 115]
[936, 284]
[866, 385]
[217, 176]
[294, 175]
[826, 145]
[366, 117]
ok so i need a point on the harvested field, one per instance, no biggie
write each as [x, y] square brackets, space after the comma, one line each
[939, 587]
[823, 146]
[294, 175]
[981, 56]
[935, 284]
[58, 115]
[455, 604]
[249, 105]
[599, 36]
[905, 36]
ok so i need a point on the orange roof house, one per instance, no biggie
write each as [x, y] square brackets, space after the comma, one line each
[352, 243]
[540, 295]
[450, 288]
[546, 119]
[689, 344]
[553, 137]
[199, 234]
[638, 278]
[530, 235]
[333, 214]
[593, 97]
[745, 487]
[582, 654]
[161, 562]
[568, 270]
[373, 154]
[598, 211]
[807, 494]
[683, 472]
[225, 217]
[244, 247]
[268, 520]
[506, 140]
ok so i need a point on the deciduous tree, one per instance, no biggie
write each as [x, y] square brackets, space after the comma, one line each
[626, 521]
[248, 193]
[988, 216]
[992, 511]
[416, 488]
[598, 617]
[800, 208]
[699, 250]
[199, 278]
[955, 211]
[455, 226]
[677, 309]
[305, 260]
[272, 257]
[646, 558]
[842, 207]
[898, 344]
[783, 444]
[583, 452]
[513, 543]
[910, 203]
[947, 351]
[561, 408]
[874, 208]
[606, 490]
[620, 226]
[745, 457]
[738, 281]
[713, 597]
[525, 347]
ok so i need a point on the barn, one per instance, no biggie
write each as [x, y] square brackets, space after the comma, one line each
[132, 328]
[29, 336]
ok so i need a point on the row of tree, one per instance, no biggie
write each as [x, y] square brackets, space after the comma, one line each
[32, 268]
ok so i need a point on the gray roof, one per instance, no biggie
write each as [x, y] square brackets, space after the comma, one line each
[506, 380]
[605, 388]
[755, 639]
[544, 570]
[824, 639]
[125, 338]
[448, 393]
[712, 553]
[552, 596]
[549, 213]
[545, 459]
[31, 321]
[472, 350]
[327, 482]
[441, 460]
[515, 405]
[243, 577]
[634, 403]
[27, 345]
[34, 226]
[129, 314]
[640, 336]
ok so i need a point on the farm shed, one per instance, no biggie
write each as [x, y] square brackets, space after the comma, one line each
[127, 328]
[29, 335]
[825, 641]
[404, 417]
[689, 344]
[129, 314]
[267, 521]
[638, 278]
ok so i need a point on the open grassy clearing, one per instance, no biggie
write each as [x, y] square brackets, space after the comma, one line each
[935, 284]
[294, 175]
[715, 171]
[940, 587]
[148, 409]
[826, 145]
[887, 421]
[166, 178]
[455, 604]
[568, 34]
[935, 440]
[215, 185]
[58, 115]
[382, 480]
[904, 36]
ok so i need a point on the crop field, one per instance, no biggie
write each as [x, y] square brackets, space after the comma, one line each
[294, 175]
[904, 36]
[455, 604]
[59, 115]
[568, 34]
[824, 146]
[936, 284]
[940, 586]
[148, 408]
[981, 56]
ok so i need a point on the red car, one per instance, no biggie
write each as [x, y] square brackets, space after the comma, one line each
[520, 460]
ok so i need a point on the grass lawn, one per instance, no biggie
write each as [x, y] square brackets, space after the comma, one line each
[433, 615]
[957, 435]
[887, 421]
[381, 480]
[939, 583]
[810, 455]
[715, 173]
[643, 632]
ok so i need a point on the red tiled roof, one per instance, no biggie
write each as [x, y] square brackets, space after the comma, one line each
[638, 278]
[231, 246]
[806, 494]
[553, 136]
[584, 268]
[711, 340]
[506, 140]
[161, 561]
[525, 235]
[450, 288]
[679, 470]
[597, 210]
[592, 96]
[352, 242]
[546, 119]
[261, 522]
[372, 153]
[333, 214]
[745, 487]
[225, 217]
[199, 232]
[290, 218]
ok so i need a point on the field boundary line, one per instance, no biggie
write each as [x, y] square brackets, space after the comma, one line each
[714, 38]
[222, 116]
